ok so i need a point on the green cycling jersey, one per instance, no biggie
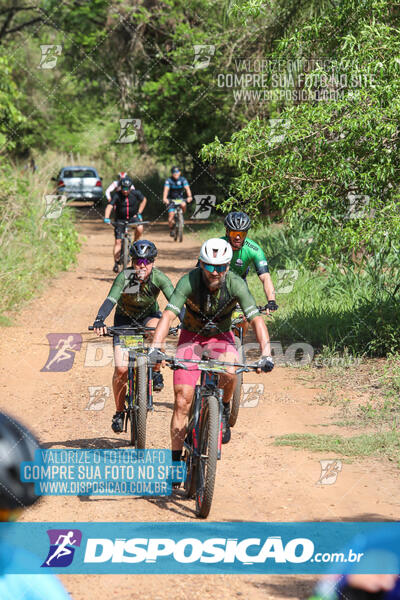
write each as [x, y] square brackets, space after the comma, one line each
[203, 306]
[137, 299]
[250, 253]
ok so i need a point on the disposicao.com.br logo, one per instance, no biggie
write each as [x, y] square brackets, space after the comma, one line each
[206, 548]
[247, 551]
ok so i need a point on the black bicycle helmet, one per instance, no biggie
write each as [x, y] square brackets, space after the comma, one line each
[17, 445]
[126, 183]
[237, 221]
[143, 249]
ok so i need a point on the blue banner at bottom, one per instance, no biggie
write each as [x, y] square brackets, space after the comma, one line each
[213, 548]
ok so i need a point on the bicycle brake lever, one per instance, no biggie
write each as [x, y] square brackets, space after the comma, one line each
[178, 365]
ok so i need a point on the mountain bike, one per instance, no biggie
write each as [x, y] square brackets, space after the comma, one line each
[179, 221]
[126, 240]
[202, 445]
[139, 393]
[238, 318]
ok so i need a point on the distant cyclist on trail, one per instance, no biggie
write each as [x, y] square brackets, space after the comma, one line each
[247, 252]
[115, 185]
[129, 205]
[174, 189]
[134, 294]
[210, 293]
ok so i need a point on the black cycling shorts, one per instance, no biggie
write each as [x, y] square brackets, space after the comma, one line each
[125, 321]
[119, 229]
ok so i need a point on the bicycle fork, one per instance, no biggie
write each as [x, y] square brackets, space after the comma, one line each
[200, 400]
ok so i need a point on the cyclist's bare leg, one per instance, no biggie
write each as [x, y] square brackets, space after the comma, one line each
[117, 250]
[183, 400]
[227, 381]
[245, 326]
[120, 377]
[138, 232]
[183, 206]
[171, 218]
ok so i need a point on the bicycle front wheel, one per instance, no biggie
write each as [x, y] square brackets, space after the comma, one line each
[207, 465]
[141, 403]
[125, 251]
[180, 226]
[190, 481]
[132, 421]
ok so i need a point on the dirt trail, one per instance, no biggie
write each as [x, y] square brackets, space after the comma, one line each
[256, 481]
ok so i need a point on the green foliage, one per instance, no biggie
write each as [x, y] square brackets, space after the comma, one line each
[324, 152]
[385, 444]
[33, 248]
[10, 117]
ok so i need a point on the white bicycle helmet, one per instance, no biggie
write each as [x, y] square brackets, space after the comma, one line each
[216, 252]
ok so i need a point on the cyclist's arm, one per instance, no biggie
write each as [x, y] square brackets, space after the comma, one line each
[108, 211]
[162, 328]
[142, 205]
[113, 296]
[262, 270]
[261, 333]
[188, 194]
[113, 186]
[269, 289]
[110, 206]
[165, 284]
[165, 193]
[172, 310]
[251, 312]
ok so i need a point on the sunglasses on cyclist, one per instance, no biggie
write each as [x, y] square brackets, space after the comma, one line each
[143, 261]
[234, 234]
[212, 268]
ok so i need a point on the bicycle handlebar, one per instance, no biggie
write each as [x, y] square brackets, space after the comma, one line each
[128, 224]
[175, 363]
[111, 331]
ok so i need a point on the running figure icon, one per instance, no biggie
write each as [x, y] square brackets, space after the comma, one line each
[62, 549]
[62, 351]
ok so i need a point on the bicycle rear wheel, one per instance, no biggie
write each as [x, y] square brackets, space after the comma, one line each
[207, 464]
[235, 402]
[141, 403]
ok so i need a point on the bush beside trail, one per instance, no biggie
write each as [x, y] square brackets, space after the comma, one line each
[33, 247]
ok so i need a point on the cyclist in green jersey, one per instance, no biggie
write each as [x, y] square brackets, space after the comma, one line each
[134, 294]
[210, 293]
[246, 252]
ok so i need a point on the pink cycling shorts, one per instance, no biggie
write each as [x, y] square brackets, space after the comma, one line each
[192, 345]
